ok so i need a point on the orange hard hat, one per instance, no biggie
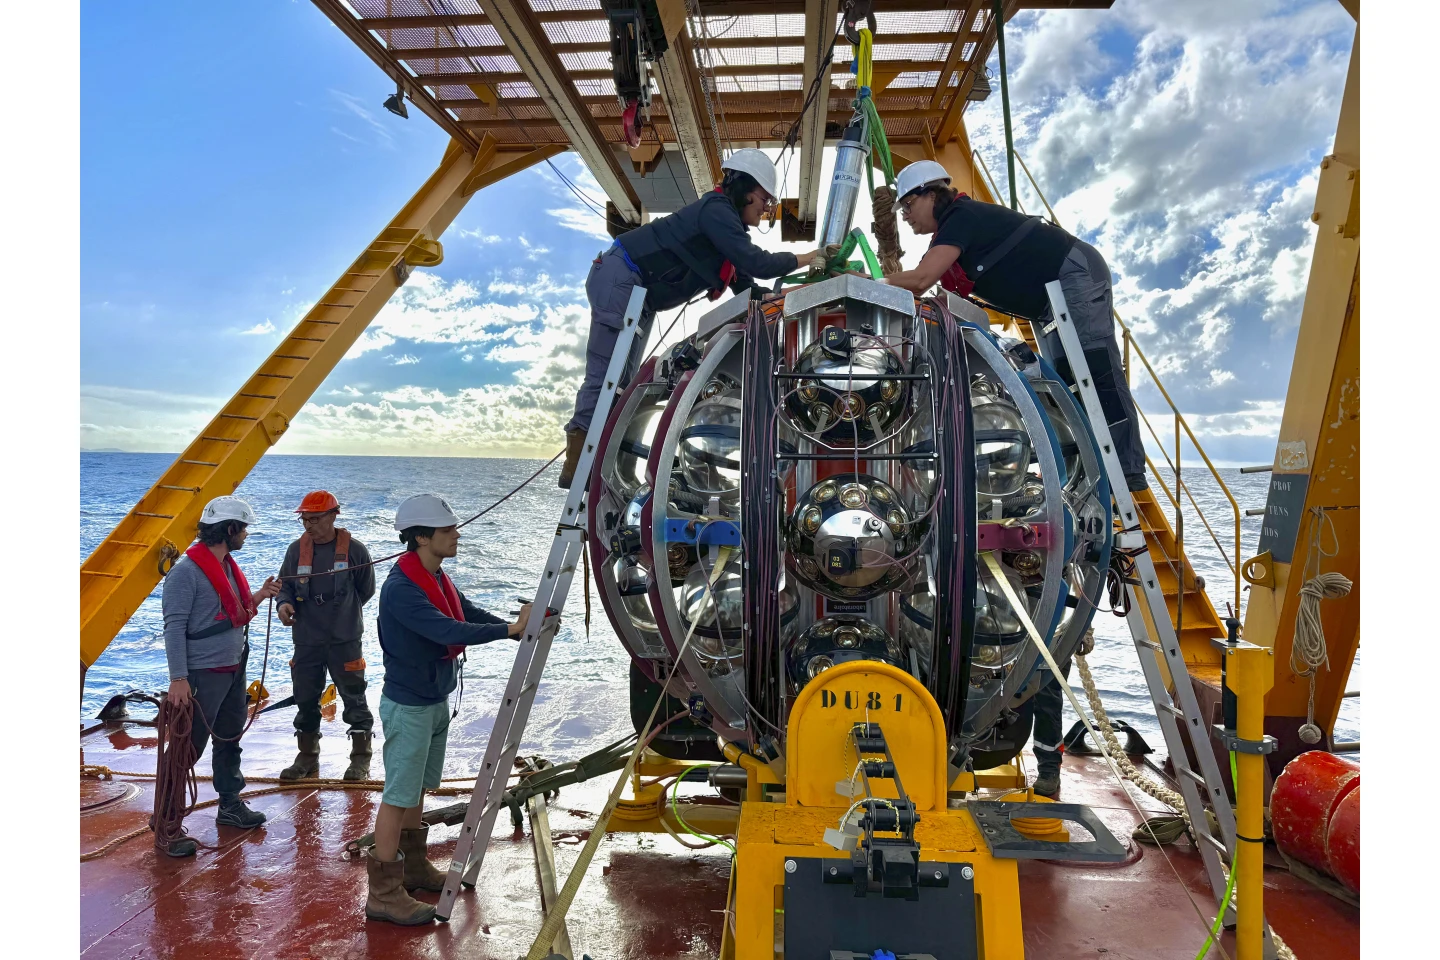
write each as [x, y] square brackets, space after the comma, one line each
[318, 501]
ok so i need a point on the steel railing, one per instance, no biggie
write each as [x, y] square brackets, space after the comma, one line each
[1181, 425]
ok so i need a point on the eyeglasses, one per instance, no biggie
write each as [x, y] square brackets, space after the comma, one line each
[908, 202]
[307, 521]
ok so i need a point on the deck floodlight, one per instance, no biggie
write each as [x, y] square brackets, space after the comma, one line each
[395, 103]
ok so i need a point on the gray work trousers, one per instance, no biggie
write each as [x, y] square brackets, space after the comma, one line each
[609, 285]
[221, 698]
[1085, 280]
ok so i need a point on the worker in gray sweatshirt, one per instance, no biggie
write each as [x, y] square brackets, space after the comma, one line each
[326, 580]
[207, 604]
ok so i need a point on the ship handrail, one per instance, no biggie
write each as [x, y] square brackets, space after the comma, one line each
[1181, 423]
[1214, 538]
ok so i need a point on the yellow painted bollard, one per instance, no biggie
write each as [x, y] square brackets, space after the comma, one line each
[1250, 673]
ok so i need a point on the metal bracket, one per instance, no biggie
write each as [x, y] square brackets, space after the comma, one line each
[1007, 843]
[1235, 744]
[720, 533]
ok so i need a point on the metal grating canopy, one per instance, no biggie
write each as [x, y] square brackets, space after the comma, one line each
[537, 74]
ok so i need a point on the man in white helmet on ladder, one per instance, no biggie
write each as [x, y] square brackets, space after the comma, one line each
[702, 246]
[207, 605]
[425, 624]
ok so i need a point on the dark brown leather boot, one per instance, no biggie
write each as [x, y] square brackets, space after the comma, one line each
[388, 899]
[574, 443]
[420, 873]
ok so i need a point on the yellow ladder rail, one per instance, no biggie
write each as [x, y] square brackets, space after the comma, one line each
[122, 571]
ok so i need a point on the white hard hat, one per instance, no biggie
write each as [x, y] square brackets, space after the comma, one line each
[755, 163]
[919, 174]
[227, 508]
[424, 510]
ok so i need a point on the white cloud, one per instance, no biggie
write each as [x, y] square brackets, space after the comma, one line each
[1190, 162]
[404, 360]
[582, 219]
[354, 106]
[487, 239]
[430, 309]
[259, 328]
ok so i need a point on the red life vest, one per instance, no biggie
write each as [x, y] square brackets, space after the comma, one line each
[239, 610]
[438, 590]
[307, 554]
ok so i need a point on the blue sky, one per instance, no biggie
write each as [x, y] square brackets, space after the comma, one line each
[227, 184]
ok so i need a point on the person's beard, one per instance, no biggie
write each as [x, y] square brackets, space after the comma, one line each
[234, 542]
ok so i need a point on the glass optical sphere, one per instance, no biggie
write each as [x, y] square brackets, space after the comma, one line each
[995, 619]
[1002, 444]
[709, 449]
[632, 581]
[850, 538]
[840, 639]
[718, 612]
[843, 393]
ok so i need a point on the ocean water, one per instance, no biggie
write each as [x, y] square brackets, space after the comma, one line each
[501, 557]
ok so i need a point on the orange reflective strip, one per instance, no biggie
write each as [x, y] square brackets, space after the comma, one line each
[355, 665]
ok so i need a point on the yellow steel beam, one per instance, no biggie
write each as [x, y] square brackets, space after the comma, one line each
[680, 88]
[963, 35]
[819, 31]
[340, 15]
[122, 571]
[522, 33]
[950, 122]
[1315, 487]
[715, 43]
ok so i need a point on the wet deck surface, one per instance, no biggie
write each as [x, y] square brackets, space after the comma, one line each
[284, 891]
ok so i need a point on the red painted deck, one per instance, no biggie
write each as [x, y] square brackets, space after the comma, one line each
[283, 891]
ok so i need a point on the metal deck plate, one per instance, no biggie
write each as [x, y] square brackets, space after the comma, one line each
[1007, 843]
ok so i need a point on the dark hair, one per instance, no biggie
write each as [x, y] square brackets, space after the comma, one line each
[737, 187]
[409, 536]
[212, 533]
[943, 195]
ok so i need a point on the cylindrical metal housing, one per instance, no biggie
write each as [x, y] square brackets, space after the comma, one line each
[845, 184]
[1304, 798]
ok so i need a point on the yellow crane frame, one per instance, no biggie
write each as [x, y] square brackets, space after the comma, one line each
[122, 571]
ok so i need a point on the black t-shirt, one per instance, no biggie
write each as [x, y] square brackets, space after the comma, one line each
[1016, 284]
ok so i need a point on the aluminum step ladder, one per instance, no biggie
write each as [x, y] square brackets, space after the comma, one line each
[551, 594]
[1179, 716]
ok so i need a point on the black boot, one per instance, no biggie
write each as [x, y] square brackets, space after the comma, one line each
[307, 761]
[360, 753]
[1047, 783]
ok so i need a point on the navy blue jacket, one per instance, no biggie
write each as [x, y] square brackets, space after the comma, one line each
[680, 255]
[414, 636]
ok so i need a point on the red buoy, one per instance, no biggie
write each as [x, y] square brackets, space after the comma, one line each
[1302, 802]
[1342, 840]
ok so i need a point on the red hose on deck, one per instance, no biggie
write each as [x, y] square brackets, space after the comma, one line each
[1342, 841]
[1304, 799]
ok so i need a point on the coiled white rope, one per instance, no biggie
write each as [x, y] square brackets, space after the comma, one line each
[1308, 652]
